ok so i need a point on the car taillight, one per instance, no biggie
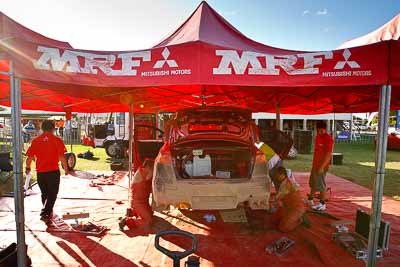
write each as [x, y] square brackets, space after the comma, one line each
[260, 158]
[260, 166]
[164, 158]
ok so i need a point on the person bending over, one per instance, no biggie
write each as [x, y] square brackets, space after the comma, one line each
[290, 214]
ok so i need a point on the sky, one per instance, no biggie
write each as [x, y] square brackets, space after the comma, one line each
[116, 25]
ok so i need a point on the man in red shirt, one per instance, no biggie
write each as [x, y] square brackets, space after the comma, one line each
[321, 161]
[48, 150]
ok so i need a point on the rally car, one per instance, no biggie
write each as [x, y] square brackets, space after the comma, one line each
[393, 142]
[209, 161]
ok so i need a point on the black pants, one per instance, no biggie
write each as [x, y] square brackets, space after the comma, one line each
[49, 183]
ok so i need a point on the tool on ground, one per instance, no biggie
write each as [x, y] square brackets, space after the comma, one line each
[362, 228]
[356, 243]
[87, 228]
[280, 246]
[342, 229]
[176, 256]
[341, 225]
[342, 222]
[209, 218]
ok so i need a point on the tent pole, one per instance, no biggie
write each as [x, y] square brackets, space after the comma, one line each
[278, 116]
[15, 87]
[130, 165]
[351, 127]
[380, 159]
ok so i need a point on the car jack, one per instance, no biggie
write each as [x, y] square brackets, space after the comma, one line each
[176, 256]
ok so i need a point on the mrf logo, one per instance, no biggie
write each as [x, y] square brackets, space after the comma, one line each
[251, 63]
[52, 59]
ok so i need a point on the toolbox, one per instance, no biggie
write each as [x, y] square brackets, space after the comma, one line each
[356, 243]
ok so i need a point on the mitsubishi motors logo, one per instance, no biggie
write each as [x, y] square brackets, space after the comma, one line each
[170, 62]
[166, 61]
[339, 69]
[341, 64]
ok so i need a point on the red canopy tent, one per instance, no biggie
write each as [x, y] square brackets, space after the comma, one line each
[205, 57]
[388, 31]
[205, 60]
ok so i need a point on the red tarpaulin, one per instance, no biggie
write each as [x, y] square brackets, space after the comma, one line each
[206, 58]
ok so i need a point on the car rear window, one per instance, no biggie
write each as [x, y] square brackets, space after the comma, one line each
[226, 122]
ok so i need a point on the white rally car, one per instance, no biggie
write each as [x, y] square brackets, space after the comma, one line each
[209, 161]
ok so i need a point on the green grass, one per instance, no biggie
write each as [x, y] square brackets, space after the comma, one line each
[100, 162]
[358, 166]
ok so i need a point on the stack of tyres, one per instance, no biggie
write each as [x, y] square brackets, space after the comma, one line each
[303, 141]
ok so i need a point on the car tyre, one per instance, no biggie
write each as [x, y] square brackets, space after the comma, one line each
[71, 160]
[112, 149]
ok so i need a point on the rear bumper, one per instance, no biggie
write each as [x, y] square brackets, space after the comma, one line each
[214, 194]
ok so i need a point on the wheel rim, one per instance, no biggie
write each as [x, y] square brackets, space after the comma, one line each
[112, 150]
[71, 161]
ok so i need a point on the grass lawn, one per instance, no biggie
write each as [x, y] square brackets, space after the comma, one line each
[100, 162]
[358, 166]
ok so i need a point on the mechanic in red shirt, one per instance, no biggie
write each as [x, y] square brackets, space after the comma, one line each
[321, 162]
[48, 150]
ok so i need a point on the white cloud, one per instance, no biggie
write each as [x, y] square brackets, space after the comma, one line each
[322, 12]
[306, 12]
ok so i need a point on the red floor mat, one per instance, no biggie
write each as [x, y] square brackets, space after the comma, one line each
[220, 244]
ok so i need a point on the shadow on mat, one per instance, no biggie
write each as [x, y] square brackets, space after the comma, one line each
[96, 253]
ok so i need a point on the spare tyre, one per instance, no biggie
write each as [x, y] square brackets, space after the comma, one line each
[71, 160]
[113, 149]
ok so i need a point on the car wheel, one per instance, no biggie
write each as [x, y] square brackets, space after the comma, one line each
[112, 149]
[292, 153]
[71, 160]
